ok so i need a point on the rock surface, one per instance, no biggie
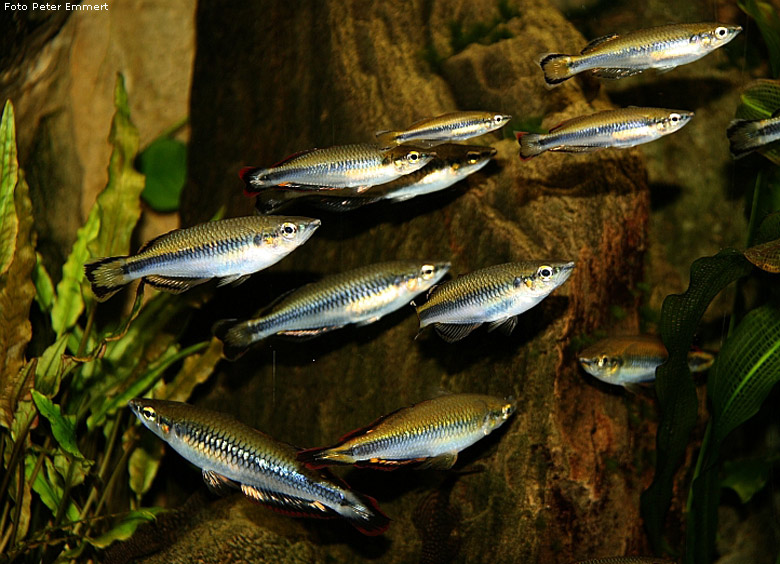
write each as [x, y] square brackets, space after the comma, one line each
[562, 481]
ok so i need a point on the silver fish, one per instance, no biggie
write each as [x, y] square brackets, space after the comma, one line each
[360, 296]
[625, 127]
[228, 249]
[344, 166]
[451, 164]
[431, 432]
[233, 455]
[746, 136]
[495, 295]
[453, 126]
[624, 361]
[619, 56]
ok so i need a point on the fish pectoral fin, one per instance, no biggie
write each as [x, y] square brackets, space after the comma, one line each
[452, 332]
[233, 280]
[217, 483]
[504, 326]
[597, 42]
[308, 333]
[442, 462]
[171, 284]
[616, 73]
[289, 505]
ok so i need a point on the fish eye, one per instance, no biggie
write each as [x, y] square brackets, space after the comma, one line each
[427, 271]
[545, 272]
[721, 32]
[674, 117]
[472, 157]
[148, 413]
[498, 118]
[289, 230]
[414, 156]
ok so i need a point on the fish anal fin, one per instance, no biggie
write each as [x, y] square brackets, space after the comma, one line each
[368, 321]
[442, 462]
[616, 73]
[308, 333]
[217, 483]
[594, 43]
[452, 332]
[576, 149]
[288, 505]
[504, 326]
[234, 279]
[173, 285]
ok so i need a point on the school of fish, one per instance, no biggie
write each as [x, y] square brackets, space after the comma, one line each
[400, 165]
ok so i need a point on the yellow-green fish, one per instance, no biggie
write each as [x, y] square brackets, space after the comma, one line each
[431, 432]
[453, 126]
[233, 455]
[624, 361]
[625, 127]
[228, 249]
[618, 56]
[343, 166]
[360, 296]
[495, 295]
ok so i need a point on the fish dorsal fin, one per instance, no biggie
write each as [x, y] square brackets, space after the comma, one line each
[452, 332]
[293, 156]
[172, 284]
[287, 504]
[598, 42]
[365, 429]
[217, 483]
[504, 326]
[152, 242]
[564, 123]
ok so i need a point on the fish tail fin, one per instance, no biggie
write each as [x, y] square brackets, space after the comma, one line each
[236, 338]
[555, 67]
[107, 276]
[321, 457]
[530, 144]
[387, 138]
[365, 515]
[251, 175]
[742, 136]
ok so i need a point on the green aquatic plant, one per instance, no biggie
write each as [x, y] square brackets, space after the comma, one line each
[766, 16]
[164, 166]
[64, 440]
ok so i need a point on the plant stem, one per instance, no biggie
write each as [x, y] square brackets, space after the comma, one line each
[87, 331]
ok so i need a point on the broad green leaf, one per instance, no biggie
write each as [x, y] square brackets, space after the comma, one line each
[78, 469]
[195, 370]
[126, 527]
[759, 100]
[118, 206]
[52, 365]
[143, 465]
[765, 256]
[746, 477]
[44, 288]
[9, 167]
[164, 164]
[674, 385]
[768, 20]
[747, 368]
[48, 486]
[62, 427]
[16, 295]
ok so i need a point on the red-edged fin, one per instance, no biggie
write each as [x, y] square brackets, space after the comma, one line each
[564, 123]
[376, 524]
[310, 457]
[246, 173]
[593, 44]
[363, 430]
[289, 505]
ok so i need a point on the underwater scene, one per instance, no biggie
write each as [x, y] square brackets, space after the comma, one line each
[390, 281]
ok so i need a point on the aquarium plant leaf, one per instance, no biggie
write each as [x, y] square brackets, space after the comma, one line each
[195, 370]
[44, 288]
[9, 169]
[680, 316]
[118, 206]
[747, 368]
[48, 486]
[52, 365]
[746, 477]
[164, 164]
[768, 20]
[62, 426]
[765, 256]
[126, 527]
[16, 295]
[769, 229]
[142, 466]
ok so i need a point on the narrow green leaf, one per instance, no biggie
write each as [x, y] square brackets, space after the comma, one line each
[747, 368]
[16, 295]
[62, 427]
[768, 21]
[44, 288]
[125, 529]
[9, 167]
[164, 164]
[674, 385]
[746, 477]
[48, 486]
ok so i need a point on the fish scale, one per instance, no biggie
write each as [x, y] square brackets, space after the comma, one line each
[264, 468]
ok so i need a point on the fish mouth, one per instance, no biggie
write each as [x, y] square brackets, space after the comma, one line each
[135, 405]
